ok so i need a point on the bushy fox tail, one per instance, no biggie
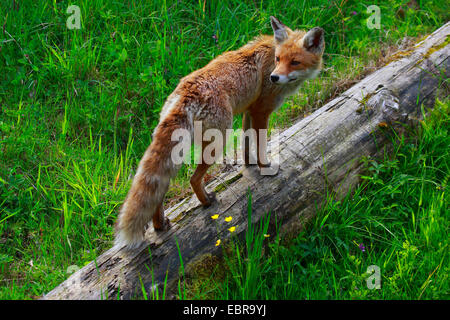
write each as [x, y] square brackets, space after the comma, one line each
[151, 181]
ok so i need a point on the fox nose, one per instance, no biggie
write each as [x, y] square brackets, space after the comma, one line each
[274, 78]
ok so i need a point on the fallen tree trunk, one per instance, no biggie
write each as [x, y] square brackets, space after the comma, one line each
[319, 153]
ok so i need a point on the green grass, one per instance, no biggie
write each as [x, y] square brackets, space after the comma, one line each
[396, 219]
[78, 107]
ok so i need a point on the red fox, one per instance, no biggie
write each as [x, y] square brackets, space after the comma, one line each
[253, 80]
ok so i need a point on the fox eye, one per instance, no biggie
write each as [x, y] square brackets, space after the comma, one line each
[277, 59]
[295, 63]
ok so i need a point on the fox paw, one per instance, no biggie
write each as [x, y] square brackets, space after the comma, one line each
[268, 169]
[250, 165]
[164, 226]
[264, 165]
[211, 197]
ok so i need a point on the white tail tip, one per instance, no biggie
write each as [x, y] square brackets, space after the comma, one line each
[124, 239]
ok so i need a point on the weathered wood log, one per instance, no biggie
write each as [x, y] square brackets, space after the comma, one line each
[319, 152]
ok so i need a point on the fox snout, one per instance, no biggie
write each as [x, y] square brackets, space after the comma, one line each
[297, 75]
[282, 79]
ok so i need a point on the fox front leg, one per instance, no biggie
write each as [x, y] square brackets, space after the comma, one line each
[260, 123]
[247, 140]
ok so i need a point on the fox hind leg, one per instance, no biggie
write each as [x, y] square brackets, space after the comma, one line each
[160, 223]
[204, 197]
[220, 118]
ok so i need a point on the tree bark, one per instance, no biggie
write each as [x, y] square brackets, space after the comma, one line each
[319, 154]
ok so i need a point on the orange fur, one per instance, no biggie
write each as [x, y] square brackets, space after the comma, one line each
[235, 82]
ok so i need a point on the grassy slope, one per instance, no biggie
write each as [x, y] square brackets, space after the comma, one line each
[78, 106]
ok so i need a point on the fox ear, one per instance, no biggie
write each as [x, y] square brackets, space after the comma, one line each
[280, 31]
[313, 40]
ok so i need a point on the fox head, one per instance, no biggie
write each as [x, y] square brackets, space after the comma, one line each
[298, 54]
